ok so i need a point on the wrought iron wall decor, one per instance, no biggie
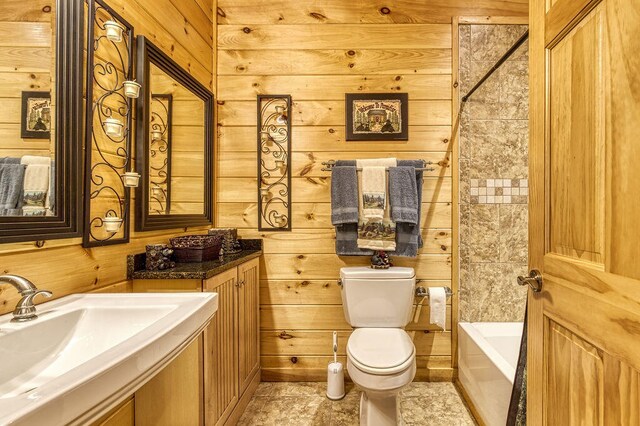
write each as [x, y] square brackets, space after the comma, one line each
[274, 162]
[110, 94]
[160, 154]
[66, 221]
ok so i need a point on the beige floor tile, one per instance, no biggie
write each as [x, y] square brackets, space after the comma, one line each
[293, 410]
[253, 409]
[298, 389]
[305, 404]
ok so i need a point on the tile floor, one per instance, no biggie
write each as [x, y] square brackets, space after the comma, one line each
[302, 404]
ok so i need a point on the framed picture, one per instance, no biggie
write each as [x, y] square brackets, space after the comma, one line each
[377, 116]
[36, 115]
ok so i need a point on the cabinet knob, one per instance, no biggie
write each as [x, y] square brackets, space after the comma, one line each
[240, 283]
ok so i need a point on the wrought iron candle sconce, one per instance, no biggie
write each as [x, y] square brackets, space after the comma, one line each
[110, 95]
[160, 154]
[274, 162]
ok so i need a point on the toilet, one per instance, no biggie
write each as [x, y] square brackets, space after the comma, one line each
[381, 357]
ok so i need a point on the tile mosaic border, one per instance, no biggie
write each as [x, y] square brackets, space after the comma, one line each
[499, 191]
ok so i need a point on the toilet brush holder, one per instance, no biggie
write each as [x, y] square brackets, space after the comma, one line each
[335, 381]
[335, 374]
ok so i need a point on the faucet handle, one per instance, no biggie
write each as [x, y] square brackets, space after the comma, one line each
[25, 309]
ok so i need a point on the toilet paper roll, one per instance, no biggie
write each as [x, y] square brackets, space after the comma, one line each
[438, 306]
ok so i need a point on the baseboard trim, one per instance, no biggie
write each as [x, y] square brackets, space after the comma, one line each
[320, 375]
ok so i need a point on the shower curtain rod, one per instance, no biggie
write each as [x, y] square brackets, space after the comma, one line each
[509, 52]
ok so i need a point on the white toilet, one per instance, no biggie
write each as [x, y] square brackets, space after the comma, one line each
[381, 358]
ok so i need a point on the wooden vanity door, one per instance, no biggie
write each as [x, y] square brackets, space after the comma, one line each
[584, 326]
[248, 322]
[220, 351]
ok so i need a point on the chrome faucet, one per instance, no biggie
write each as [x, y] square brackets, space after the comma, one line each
[25, 309]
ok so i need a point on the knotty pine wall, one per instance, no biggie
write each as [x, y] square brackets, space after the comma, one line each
[317, 51]
[26, 59]
[185, 30]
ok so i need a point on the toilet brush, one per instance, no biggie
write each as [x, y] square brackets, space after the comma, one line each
[335, 374]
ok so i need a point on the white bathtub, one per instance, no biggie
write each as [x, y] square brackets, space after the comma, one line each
[487, 360]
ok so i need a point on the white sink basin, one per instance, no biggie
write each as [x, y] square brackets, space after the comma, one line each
[85, 353]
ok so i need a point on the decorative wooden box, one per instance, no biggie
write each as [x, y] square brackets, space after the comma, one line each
[196, 248]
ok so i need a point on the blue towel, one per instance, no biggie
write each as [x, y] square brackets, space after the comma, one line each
[344, 195]
[9, 160]
[347, 233]
[408, 236]
[403, 195]
[11, 184]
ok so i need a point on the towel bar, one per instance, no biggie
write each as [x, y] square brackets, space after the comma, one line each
[424, 292]
[328, 165]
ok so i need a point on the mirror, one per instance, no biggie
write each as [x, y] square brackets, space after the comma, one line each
[40, 102]
[174, 144]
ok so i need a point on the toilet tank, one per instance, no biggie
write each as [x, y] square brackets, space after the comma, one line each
[377, 297]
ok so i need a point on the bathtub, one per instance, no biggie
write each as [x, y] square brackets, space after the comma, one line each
[487, 359]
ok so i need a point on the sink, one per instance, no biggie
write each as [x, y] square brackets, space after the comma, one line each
[86, 353]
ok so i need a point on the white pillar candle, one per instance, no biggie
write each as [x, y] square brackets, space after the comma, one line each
[131, 89]
[131, 179]
[113, 31]
[113, 127]
[265, 137]
[112, 223]
[156, 135]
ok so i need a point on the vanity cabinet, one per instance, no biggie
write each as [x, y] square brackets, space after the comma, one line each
[231, 342]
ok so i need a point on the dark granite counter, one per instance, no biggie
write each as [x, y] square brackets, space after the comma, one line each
[200, 270]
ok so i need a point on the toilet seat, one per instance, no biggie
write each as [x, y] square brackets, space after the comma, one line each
[381, 351]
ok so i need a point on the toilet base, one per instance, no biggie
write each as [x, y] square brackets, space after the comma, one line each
[379, 410]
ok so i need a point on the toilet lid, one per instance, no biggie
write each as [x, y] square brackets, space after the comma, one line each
[380, 350]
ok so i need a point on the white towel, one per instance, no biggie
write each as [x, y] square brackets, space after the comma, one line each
[438, 306]
[374, 186]
[37, 177]
[35, 159]
[375, 234]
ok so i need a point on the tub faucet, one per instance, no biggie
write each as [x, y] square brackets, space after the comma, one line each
[25, 309]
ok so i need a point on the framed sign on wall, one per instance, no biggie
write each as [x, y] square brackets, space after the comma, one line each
[377, 116]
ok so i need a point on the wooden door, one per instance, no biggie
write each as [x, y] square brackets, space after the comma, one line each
[584, 326]
[248, 322]
[221, 351]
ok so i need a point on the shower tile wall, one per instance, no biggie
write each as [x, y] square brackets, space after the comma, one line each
[493, 175]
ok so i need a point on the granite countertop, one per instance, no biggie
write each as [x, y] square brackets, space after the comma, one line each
[136, 270]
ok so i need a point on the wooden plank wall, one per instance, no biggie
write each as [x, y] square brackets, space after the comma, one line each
[187, 144]
[26, 58]
[184, 29]
[317, 52]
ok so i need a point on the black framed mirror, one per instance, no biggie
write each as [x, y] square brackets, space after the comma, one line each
[41, 149]
[174, 144]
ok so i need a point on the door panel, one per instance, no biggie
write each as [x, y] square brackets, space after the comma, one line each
[584, 225]
[220, 351]
[623, 108]
[576, 142]
[248, 322]
[573, 378]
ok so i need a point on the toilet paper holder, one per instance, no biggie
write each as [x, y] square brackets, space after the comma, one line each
[424, 292]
